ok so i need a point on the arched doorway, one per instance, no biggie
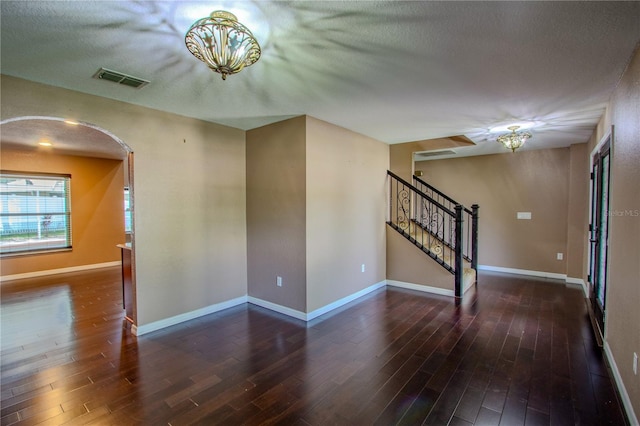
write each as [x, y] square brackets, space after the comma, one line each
[69, 137]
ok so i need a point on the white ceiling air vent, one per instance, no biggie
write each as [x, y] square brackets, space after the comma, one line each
[120, 78]
[427, 155]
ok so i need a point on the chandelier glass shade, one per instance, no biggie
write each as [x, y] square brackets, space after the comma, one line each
[514, 140]
[223, 43]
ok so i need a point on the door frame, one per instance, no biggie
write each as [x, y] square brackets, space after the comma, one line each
[598, 321]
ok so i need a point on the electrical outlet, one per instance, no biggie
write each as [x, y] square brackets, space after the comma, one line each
[635, 363]
[559, 256]
[362, 268]
[279, 281]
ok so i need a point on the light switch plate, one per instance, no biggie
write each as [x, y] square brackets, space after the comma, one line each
[524, 215]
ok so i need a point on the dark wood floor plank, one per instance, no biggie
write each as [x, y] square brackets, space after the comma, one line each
[517, 351]
[470, 404]
[514, 412]
[487, 417]
[420, 408]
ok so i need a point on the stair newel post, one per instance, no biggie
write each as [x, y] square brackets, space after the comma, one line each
[390, 219]
[474, 237]
[458, 251]
[414, 204]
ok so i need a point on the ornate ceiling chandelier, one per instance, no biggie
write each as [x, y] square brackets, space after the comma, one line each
[223, 43]
[514, 140]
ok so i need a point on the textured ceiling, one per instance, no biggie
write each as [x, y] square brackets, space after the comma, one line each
[26, 133]
[395, 71]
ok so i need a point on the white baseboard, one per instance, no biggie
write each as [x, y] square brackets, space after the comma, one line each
[419, 287]
[580, 282]
[277, 308]
[320, 311]
[338, 303]
[168, 322]
[37, 274]
[626, 401]
[540, 274]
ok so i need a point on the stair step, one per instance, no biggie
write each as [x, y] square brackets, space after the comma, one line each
[439, 251]
[433, 244]
[468, 278]
[420, 213]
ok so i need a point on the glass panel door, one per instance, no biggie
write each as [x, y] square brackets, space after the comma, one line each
[603, 232]
[598, 235]
[593, 240]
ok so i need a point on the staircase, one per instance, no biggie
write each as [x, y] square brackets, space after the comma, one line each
[442, 228]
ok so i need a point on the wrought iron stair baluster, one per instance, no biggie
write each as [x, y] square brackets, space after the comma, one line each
[438, 225]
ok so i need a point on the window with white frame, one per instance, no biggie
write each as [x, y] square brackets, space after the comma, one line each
[127, 211]
[35, 212]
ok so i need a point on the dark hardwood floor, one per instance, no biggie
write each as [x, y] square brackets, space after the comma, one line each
[519, 351]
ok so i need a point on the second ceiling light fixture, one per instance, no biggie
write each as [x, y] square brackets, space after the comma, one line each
[514, 140]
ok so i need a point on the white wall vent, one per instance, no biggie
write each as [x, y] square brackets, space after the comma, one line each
[120, 78]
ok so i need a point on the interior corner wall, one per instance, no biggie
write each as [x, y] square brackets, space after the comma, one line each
[503, 185]
[190, 202]
[578, 211]
[622, 325]
[401, 159]
[401, 154]
[276, 213]
[96, 206]
[346, 207]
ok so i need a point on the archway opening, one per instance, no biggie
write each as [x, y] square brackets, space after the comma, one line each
[65, 137]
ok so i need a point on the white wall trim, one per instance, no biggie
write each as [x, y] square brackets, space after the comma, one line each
[541, 274]
[608, 134]
[626, 401]
[338, 303]
[420, 287]
[277, 308]
[168, 322]
[320, 311]
[580, 282]
[37, 274]
[568, 280]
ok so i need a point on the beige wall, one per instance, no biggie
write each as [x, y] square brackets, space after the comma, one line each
[346, 205]
[96, 204]
[401, 154]
[622, 327]
[276, 213]
[315, 212]
[408, 264]
[578, 211]
[504, 184]
[190, 217]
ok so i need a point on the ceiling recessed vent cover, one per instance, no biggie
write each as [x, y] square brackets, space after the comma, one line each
[120, 78]
[430, 154]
